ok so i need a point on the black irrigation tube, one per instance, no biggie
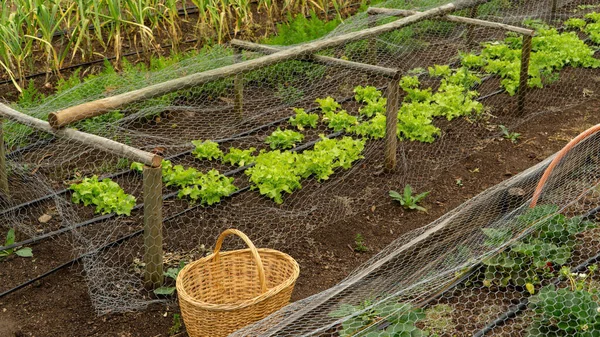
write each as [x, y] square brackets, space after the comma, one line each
[138, 232]
[167, 196]
[218, 141]
[118, 174]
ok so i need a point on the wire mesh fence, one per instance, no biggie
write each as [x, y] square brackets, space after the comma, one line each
[284, 148]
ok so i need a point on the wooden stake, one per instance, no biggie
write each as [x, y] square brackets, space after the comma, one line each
[238, 86]
[454, 18]
[524, 75]
[3, 167]
[100, 143]
[553, 10]
[391, 123]
[372, 41]
[153, 252]
[320, 59]
[470, 28]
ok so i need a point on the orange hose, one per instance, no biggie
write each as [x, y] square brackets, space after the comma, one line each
[561, 154]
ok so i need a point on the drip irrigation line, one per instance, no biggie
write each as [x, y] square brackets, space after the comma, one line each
[100, 249]
[45, 236]
[136, 233]
[21, 150]
[124, 172]
[515, 310]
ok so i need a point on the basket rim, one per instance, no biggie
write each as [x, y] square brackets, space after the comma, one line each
[184, 296]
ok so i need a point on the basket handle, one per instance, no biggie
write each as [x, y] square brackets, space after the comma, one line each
[561, 154]
[255, 255]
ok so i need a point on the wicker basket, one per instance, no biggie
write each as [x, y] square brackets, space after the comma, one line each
[224, 292]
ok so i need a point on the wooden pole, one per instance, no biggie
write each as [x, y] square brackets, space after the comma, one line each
[97, 142]
[391, 123]
[372, 41]
[326, 60]
[471, 28]
[524, 75]
[73, 114]
[153, 251]
[453, 18]
[238, 86]
[553, 10]
[3, 166]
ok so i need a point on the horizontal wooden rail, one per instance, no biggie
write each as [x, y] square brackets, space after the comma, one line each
[453, 18]
[91, 109]
[97, 142]
[368, 68]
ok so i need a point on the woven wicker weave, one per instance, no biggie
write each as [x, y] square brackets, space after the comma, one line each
[226, 291]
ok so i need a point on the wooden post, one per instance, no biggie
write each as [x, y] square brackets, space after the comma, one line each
[372, 41]
[100, 143]
[153, 252]
[391, 123]
[3, 167]
[238, 86]
[553, 10]
[524, 75]
[471, 28]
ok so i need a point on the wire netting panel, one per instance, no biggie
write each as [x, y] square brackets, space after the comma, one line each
[458, 85]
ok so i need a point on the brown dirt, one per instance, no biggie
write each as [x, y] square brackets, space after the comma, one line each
[59, 304]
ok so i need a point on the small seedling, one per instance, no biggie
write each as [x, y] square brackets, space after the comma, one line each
[172, 274]
[459, 182]
[408, 200]
[176, 327]
[512, 136]
[359, 244]
[10, 239]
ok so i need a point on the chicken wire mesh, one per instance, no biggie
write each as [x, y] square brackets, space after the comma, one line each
[446, 113]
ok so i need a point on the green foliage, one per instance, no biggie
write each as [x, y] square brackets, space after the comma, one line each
[571, 311]
[10, 239]
[284, 139]
[277, 172]
[177, 324]
[575, 23]
[408, 200]
[289, 94]
[172, 274]
[206, 150]
[512, 136]
[304, 119]
[274, 174]
[551, 52]
[373, 128]
[339, 121]
[594, 16]
[366, 94]
[301, 29]
[106, 195]
[373, 107]
[328, 104]
[452, 99]
[537, 256]
[359, 244]
[414, 124]
[239, 157]
[209, 188]
[328, 155]
[384, 320]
